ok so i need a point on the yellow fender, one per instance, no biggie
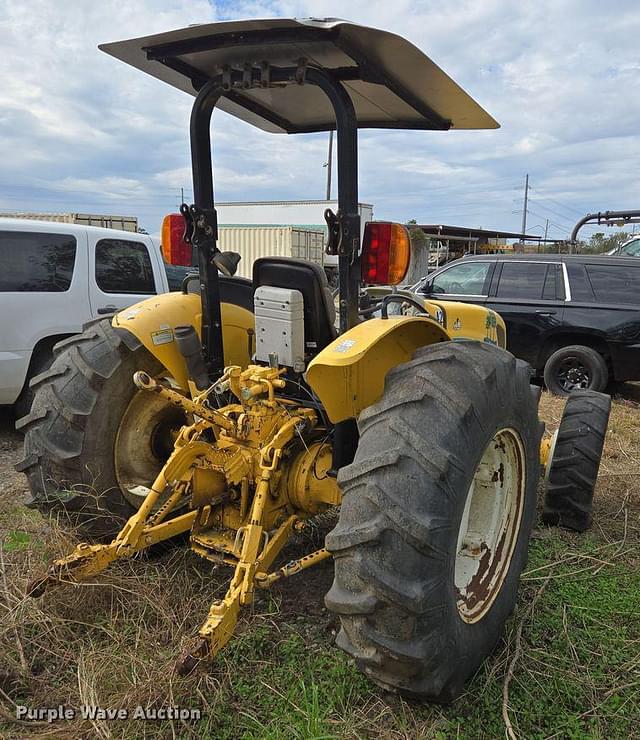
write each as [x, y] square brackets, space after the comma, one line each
[348, 375]
[468, 321]
[154, 320]
[461, 320]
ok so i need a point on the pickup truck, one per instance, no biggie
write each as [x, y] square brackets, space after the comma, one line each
[55, 277]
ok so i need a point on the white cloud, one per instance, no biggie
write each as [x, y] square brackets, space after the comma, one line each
[81, 131]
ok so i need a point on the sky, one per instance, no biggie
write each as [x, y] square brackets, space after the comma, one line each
[83, 132]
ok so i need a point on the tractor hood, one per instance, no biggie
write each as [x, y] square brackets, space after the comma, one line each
[392, 83]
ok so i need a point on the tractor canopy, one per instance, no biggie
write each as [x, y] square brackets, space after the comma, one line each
[391, 83]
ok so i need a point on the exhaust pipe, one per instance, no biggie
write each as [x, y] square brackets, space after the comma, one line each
[191, 349]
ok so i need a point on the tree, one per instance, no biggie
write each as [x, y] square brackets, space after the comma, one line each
[599, 242]
[416, 234]
[419, 265]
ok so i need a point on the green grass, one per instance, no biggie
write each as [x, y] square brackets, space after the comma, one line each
[16, 540]
[570, 654]
[577, 677]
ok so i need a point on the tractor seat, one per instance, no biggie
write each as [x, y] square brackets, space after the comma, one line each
[311, 280]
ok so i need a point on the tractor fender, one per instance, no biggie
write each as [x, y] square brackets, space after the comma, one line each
[461, 320]
[152, 322]
[468, 321]
[348, 375]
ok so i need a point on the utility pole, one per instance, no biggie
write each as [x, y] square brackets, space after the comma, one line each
[329, 165]
[526, 198]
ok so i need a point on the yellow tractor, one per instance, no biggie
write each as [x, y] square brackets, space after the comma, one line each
[236, 412]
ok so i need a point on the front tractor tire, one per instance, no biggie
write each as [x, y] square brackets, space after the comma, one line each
[574, 461]
[93, 441]
[438, 507]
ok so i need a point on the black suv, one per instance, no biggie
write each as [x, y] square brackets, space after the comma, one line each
[574, 318]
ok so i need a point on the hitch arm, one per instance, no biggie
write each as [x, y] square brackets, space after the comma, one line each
[143, 529]
[88, 560]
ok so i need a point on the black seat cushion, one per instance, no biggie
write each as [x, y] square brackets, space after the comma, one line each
[311, 280]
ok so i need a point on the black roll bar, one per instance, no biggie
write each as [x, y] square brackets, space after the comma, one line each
[347, 135]
[202, 173]
[231, 82]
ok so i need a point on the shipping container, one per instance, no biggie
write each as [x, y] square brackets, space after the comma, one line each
[124, 223]
[303, 213]
[252, 242]
[306, 213]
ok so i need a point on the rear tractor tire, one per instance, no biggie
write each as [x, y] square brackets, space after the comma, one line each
[39, 363]
[438, 507]
[93, 441]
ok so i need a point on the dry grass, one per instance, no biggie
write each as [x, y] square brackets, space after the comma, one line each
[569, 665]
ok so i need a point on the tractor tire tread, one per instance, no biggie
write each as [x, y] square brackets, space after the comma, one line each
[392, 622]
[574, 468]
[56, 428]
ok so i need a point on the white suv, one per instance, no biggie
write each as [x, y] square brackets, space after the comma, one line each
[54, 278]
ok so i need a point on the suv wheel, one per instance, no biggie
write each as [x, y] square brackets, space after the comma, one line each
[575, 368]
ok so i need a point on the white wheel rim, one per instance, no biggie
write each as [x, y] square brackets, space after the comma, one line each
[135, 460]
[490, 525]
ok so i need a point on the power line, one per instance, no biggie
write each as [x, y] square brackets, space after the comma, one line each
[557, 202]
[525, 209]
[560, 216]
[558, 226]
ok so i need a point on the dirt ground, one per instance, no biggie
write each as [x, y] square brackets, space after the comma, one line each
[12, 484]
[569, 664]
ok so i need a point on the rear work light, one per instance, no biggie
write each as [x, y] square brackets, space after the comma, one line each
[175, 249]
[385, 253]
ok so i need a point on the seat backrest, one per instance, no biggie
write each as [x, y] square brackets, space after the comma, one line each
[311, 280]
[233, 289]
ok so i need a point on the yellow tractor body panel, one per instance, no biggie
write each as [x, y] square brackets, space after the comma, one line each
[460, 320]
[348, 375]
[154, 320]
[467, 321]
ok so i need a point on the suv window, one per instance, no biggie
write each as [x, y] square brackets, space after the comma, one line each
[36, 262]
[123, 267]
[466, 278]
[615, 283]
[528, 280]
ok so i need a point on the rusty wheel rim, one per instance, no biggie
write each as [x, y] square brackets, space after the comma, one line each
[490, 525]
